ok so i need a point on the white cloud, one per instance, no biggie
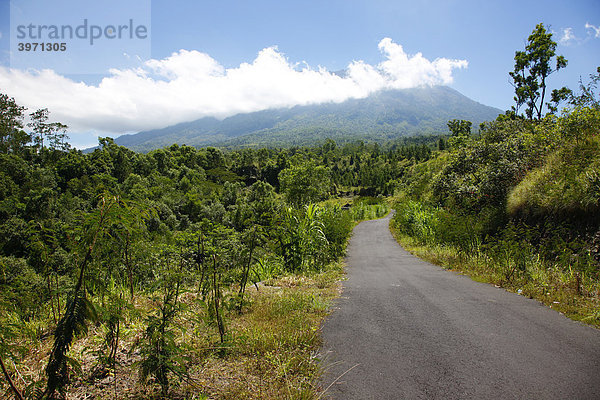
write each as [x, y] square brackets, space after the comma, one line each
[567, 36]
[404, 71]
[595, 31]
[189, 84]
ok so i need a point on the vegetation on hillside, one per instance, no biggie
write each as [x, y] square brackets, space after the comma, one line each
[518, 204]
[196, 272]
[175, 266]
[380, 118]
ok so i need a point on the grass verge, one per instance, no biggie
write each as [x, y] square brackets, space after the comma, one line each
[568, 292]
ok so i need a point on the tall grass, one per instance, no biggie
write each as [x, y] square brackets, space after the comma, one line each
[365, 208]
[273, 345]
[565, 279]
[567, 183]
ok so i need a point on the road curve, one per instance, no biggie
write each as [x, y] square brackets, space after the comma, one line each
[406, 329]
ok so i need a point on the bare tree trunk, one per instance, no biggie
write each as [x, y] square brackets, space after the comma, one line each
[246, 272]
[48, 282]
[57, 297]
[18, 394]
[542, 98]
[200, 262]
[128, 266]
[217, 295]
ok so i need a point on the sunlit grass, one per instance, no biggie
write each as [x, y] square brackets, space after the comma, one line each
[273, 344]
[572, 293]
[269, 352]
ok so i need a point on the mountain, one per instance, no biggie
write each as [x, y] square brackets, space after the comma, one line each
[382, 116]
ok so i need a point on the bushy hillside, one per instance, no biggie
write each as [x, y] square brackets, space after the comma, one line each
[517, 205]
[567, 183]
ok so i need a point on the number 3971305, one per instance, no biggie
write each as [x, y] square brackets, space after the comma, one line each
[44, 46]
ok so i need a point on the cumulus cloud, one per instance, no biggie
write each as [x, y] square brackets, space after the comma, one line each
[189, 85]
[567, 36]
[404, 71]
[593, 30]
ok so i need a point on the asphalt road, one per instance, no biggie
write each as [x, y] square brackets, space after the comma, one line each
[406, 329]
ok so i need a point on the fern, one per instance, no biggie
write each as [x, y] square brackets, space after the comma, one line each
[79, 309]
[160, 353]
[71, 325]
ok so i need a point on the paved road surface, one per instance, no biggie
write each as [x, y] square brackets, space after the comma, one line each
[416, 331]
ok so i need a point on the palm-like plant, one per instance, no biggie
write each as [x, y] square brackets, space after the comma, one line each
[302, 237]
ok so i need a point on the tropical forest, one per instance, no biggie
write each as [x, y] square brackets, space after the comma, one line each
[206, 272]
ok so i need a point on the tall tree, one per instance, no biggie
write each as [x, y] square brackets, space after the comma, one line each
[54, 133]
[12, 136]
[532, 68]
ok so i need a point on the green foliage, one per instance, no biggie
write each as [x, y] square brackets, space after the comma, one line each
[517, 206]
[587, 96]
[266, 267]
[12, 137]
[535, 171]
[54, 133]
[418, 177]
[22, 290]
[532, 68]
[263, 202]
[415, 219]
[117, 232]
[460, 133]
[161, 356]
[579, 123]
[112, 315]
[365, 208]
[79, 311]
[432, 225]
[305, 184]
[337, 225]
[482, 173]
[302, 239]
[567, 183]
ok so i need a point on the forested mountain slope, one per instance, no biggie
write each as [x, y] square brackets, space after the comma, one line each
[380, 117]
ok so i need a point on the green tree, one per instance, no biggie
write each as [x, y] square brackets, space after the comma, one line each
[532, 68]
[12, 136]
[304, 184]
[441, 144]
[54, 133]
[79, 309]
[263, 202]
[460, 132]
[160, 353]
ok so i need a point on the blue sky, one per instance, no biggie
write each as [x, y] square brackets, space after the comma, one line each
[218, 58]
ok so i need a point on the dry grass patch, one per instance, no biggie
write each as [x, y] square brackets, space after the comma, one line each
[269, 352]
